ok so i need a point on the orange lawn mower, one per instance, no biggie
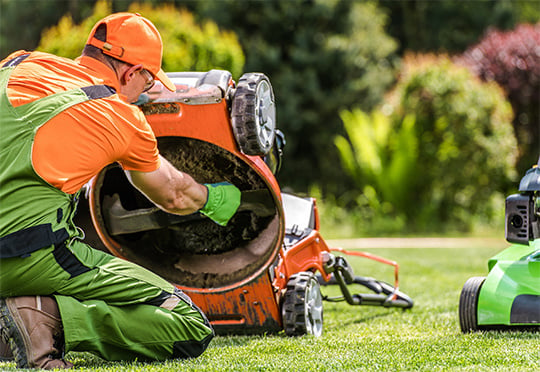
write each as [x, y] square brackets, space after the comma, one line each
[263, 271]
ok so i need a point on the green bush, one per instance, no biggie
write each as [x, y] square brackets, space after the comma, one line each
[512, 59]
[437, 155]
[466, 146]
[67, 39]
[188, 46]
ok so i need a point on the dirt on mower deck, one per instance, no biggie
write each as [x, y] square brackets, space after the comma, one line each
[197, 253]
[362, 243]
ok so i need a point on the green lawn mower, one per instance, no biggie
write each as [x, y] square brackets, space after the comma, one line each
[509, 296]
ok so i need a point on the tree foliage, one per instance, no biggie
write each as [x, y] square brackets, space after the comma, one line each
[188, 45]
[512, 59]
[67, 39]
[22, 21]
[321, 57]
[450, 25]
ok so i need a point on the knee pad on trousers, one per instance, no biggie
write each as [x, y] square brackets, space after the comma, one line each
[191, 349]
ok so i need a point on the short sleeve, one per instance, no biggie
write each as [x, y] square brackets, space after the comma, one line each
[142, 153]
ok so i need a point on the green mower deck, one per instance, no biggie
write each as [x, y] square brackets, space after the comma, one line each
[509, 296]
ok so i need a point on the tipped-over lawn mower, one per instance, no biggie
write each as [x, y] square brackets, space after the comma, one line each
[509, 297]
[261, 272]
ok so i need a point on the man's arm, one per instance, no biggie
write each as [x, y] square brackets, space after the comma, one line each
[168, 188]
[177, 192]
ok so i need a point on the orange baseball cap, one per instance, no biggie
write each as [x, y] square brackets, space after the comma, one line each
[135, 40]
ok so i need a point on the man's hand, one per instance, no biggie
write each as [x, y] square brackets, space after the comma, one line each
[222, 203]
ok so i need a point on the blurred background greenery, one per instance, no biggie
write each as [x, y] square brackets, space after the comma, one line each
[401, 117]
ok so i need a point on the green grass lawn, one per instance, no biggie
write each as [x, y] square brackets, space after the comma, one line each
[425, 338]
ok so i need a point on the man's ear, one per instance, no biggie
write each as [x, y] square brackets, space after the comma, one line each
[129, 73]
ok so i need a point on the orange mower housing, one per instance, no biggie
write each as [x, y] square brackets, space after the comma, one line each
[260, 273]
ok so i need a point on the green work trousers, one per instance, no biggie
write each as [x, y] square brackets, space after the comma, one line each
[110, 307]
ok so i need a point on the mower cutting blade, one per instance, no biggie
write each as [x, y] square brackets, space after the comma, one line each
[122, 221]
[260, 202]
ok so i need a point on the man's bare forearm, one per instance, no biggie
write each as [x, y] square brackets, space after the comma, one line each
[168, 188]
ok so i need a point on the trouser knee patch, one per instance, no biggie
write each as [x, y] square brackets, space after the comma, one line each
[192, 348]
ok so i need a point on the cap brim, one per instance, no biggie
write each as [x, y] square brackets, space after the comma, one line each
[161, 76]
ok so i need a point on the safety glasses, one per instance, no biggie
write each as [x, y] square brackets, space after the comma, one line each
[149, 80]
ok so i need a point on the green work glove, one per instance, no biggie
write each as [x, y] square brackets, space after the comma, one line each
[222, 203]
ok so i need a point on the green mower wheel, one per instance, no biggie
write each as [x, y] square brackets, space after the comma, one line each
[468, 304]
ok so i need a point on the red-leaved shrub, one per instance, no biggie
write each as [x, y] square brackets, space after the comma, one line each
[512, 59]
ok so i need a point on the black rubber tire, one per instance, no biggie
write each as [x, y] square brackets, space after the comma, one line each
[468, 304]
[302, 310]
[253, 114]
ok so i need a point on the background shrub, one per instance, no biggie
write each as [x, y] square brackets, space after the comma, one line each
[188, 45]
[67, 39]
[462, 154]
[512, 59]
[450, 26]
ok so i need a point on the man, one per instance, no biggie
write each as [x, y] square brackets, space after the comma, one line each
[61, 122]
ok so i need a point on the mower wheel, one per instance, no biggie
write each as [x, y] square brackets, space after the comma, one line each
[468, 304]
[302, 309]
[254, 114]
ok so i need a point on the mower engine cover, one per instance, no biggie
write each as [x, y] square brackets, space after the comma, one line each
[510, 295]
[531, 181]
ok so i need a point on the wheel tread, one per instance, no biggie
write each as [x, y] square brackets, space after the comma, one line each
[468, 304]
[294, 320]
[243, 115]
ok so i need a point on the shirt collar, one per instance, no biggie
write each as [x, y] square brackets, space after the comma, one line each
[101, 71]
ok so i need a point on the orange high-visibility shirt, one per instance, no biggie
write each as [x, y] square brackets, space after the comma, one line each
[76, 144]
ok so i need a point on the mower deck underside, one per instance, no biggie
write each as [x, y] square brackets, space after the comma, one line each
[198, 253]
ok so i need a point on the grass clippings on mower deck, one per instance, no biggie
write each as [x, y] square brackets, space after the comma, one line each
[425, 338]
